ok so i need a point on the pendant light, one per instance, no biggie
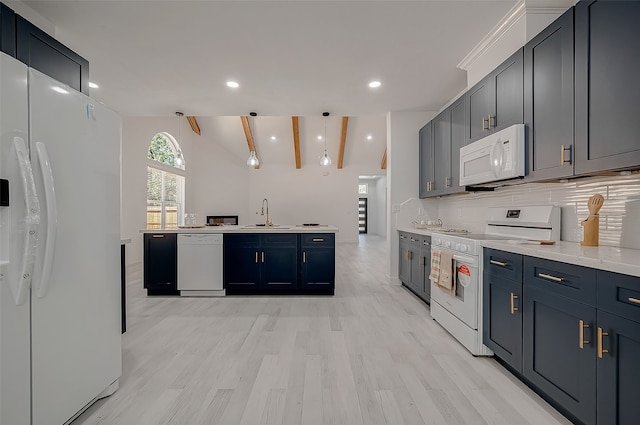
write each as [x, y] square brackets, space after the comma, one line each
[179, 157]
[325, 160]
[253, 161]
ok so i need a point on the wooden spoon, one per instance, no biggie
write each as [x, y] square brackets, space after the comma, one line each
[595, 203]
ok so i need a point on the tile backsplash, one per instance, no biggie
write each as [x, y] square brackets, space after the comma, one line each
[619, 216]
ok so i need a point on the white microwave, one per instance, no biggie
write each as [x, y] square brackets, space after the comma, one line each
[499, 156]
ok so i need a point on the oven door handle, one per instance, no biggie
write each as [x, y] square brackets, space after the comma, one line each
[469, 261]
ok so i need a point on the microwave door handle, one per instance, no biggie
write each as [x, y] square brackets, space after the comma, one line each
[496, 158]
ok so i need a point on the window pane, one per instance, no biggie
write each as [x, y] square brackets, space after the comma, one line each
[170, 187]
[154, 215]
[171, 215]
[362, 189]
[154, 184]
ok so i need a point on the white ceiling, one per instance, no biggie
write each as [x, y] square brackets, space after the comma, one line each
[152, 58]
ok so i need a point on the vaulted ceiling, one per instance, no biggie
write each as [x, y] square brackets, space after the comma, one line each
[291, 58]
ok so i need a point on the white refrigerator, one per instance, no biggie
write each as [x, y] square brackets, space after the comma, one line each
[60, 342]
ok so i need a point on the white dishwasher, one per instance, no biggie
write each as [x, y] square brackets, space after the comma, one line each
[200, 265]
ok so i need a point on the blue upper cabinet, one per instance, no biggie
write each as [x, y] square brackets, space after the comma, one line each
[7, 30]
[607, 97]
[495, 102]
[39, 50]
[548, 100]
[426, 171]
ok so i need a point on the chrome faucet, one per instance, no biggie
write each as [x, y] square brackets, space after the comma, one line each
[267, 222]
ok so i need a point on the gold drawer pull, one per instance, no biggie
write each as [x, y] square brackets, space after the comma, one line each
[600, 349]
[483, 127]
[548, 276]
[263, 256]
[158, 236]
[513, 307]
[582, 327]
[322, 239]
[498, 263]
[256, 256]
[634, 300]
[304, 256]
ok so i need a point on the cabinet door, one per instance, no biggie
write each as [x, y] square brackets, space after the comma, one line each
[507, 95]
[318, 269]
[478, 102]
[618, 370]
[242, 261]
[458, 140]
[7, 30]
[160, 263]
[39, 50]
[548, 88]
[279, 262]
[502, 313]
[442, 153]
[555, 359]
[607, 58]
[404, 264]
[426, 160]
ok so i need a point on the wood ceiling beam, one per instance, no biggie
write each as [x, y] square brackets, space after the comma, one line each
[249, 136]
[383, 164]
[343, 141]
[194, 124]
[296, 140]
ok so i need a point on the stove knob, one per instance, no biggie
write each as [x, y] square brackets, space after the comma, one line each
[458, 247]
[447, 244]
[437, 241]
[464, 248]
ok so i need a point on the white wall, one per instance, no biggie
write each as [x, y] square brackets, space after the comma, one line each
[402, 173]
[216, 182]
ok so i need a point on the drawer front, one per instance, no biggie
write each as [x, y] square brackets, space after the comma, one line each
[310, 240]
[503, 264]
[278, 239]
[248, 240]
[619, 294]
[574, 282]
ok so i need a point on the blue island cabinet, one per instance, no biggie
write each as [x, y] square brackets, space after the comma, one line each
[318, 263]
[260, 263]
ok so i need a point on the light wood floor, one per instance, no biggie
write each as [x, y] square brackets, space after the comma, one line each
[369, 355]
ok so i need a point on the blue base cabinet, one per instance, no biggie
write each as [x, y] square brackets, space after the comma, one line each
[502, 312]
[161, 263]
[318, 263]
[415, 264]
[279, 263]
[579, 331]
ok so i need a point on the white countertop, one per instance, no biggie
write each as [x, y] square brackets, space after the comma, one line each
[610, 258]
[250, 229]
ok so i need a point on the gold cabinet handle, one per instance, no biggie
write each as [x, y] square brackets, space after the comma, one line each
[263, 256]
[581, 329]
[256, 256]
[513, 306]
[489, 121]
[600, 349]
[483, 127]
[322, 239]
[498, 263]
[304, 256]
[158, 236]
[495, 124]
[548, 276]
[634, 300]
[403, 237]
[447, 182]
[562, 150]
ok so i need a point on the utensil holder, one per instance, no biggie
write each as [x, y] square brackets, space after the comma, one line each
[591, 232]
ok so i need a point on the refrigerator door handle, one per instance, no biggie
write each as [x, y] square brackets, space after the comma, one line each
[52, 219]
[20, 287]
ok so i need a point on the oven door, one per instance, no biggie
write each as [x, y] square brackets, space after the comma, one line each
[464, 303]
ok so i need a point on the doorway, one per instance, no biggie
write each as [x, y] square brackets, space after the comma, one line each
[362, 216]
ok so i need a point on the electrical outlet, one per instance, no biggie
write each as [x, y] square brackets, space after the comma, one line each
[395, 208]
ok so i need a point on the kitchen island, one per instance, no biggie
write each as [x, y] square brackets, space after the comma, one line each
[283, 260]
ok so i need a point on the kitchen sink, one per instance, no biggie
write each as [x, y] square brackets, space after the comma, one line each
[262, 226]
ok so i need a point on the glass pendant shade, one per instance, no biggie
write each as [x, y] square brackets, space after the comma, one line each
[253, 159]
[325, 160]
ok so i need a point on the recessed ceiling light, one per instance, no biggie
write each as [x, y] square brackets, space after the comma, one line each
[375, 84]
[369, 137]
[93, 85]
[274, 138]
[319, 137]
[233, 84]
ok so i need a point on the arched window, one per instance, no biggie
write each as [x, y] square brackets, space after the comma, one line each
[165, 182]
